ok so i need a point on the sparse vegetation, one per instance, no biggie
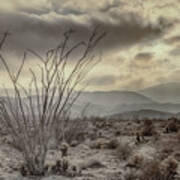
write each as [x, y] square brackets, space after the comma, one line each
[113, 144]
[172, 125]
[156, 170]
[115, 157]
[124, 150]
[148, 128]
[73, 130]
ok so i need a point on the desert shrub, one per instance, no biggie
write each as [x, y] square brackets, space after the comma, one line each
[102, 143]
[91, 163]
[165, 152]
[113, 144]
[62, 167]
[172, 126]
[178, 136]
[131, 175]
[99, 144]
[124, 150]
[117, 132]
[114, 176]
[176, 155]
[72, 130]
[155, 170]
[170, 166]
[97, 121]
[151, 171]
[148, 128]
[64, 149]
[93, 133]
[135, 161]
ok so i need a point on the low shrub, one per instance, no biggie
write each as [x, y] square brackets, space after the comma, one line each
[172, 125]
[157, 170]
[124, 150]
[113, 144]
[148, 128]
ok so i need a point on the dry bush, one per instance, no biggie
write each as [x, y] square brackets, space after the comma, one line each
[170, 165]
[91, 163]
[176, 155]
[151, 171]
[62, 167]
[166, 152]
[117, 132]
[172, 125]
[148, 128]
[98, 122]
[178, 136]
[73, 130]
[113, 144]
[100, 143]
[156, 170]
[104, 144]
[34, 113]
[135, 161]
[124, 150]
[131, 175]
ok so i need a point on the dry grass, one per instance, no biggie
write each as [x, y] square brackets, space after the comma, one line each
[124, 150]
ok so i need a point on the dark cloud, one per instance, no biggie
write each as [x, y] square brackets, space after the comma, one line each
[42, 32]
[144, 56]
[142, 61]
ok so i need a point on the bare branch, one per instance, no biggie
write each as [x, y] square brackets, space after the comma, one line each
[5, 35]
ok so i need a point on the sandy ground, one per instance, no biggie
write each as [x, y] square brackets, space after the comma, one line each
[100, 163]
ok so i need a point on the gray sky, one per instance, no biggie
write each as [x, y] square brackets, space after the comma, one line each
[142, 47]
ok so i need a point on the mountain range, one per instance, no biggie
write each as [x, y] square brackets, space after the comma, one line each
[164, 98]
[158, 101]
[164, 93]
[144, 113]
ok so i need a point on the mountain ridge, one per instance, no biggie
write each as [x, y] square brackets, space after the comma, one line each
[143, 113]
[164, 93]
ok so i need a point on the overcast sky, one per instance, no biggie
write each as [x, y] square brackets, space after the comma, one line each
[142, 47]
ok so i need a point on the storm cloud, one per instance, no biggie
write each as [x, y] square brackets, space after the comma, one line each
[144, 56]
[42, 28]
[143, 33]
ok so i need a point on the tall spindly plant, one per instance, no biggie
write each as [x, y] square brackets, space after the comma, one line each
[32, 116]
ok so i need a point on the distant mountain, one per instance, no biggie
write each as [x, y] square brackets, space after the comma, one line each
[164, 93]
[166, 107]
[92, 110]
[99, 110]
[163, 98]
[144, 113]
[113, 98]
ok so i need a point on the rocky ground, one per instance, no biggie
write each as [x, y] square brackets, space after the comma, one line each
[110, 150]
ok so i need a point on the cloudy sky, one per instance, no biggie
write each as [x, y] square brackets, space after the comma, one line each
[141, 49]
